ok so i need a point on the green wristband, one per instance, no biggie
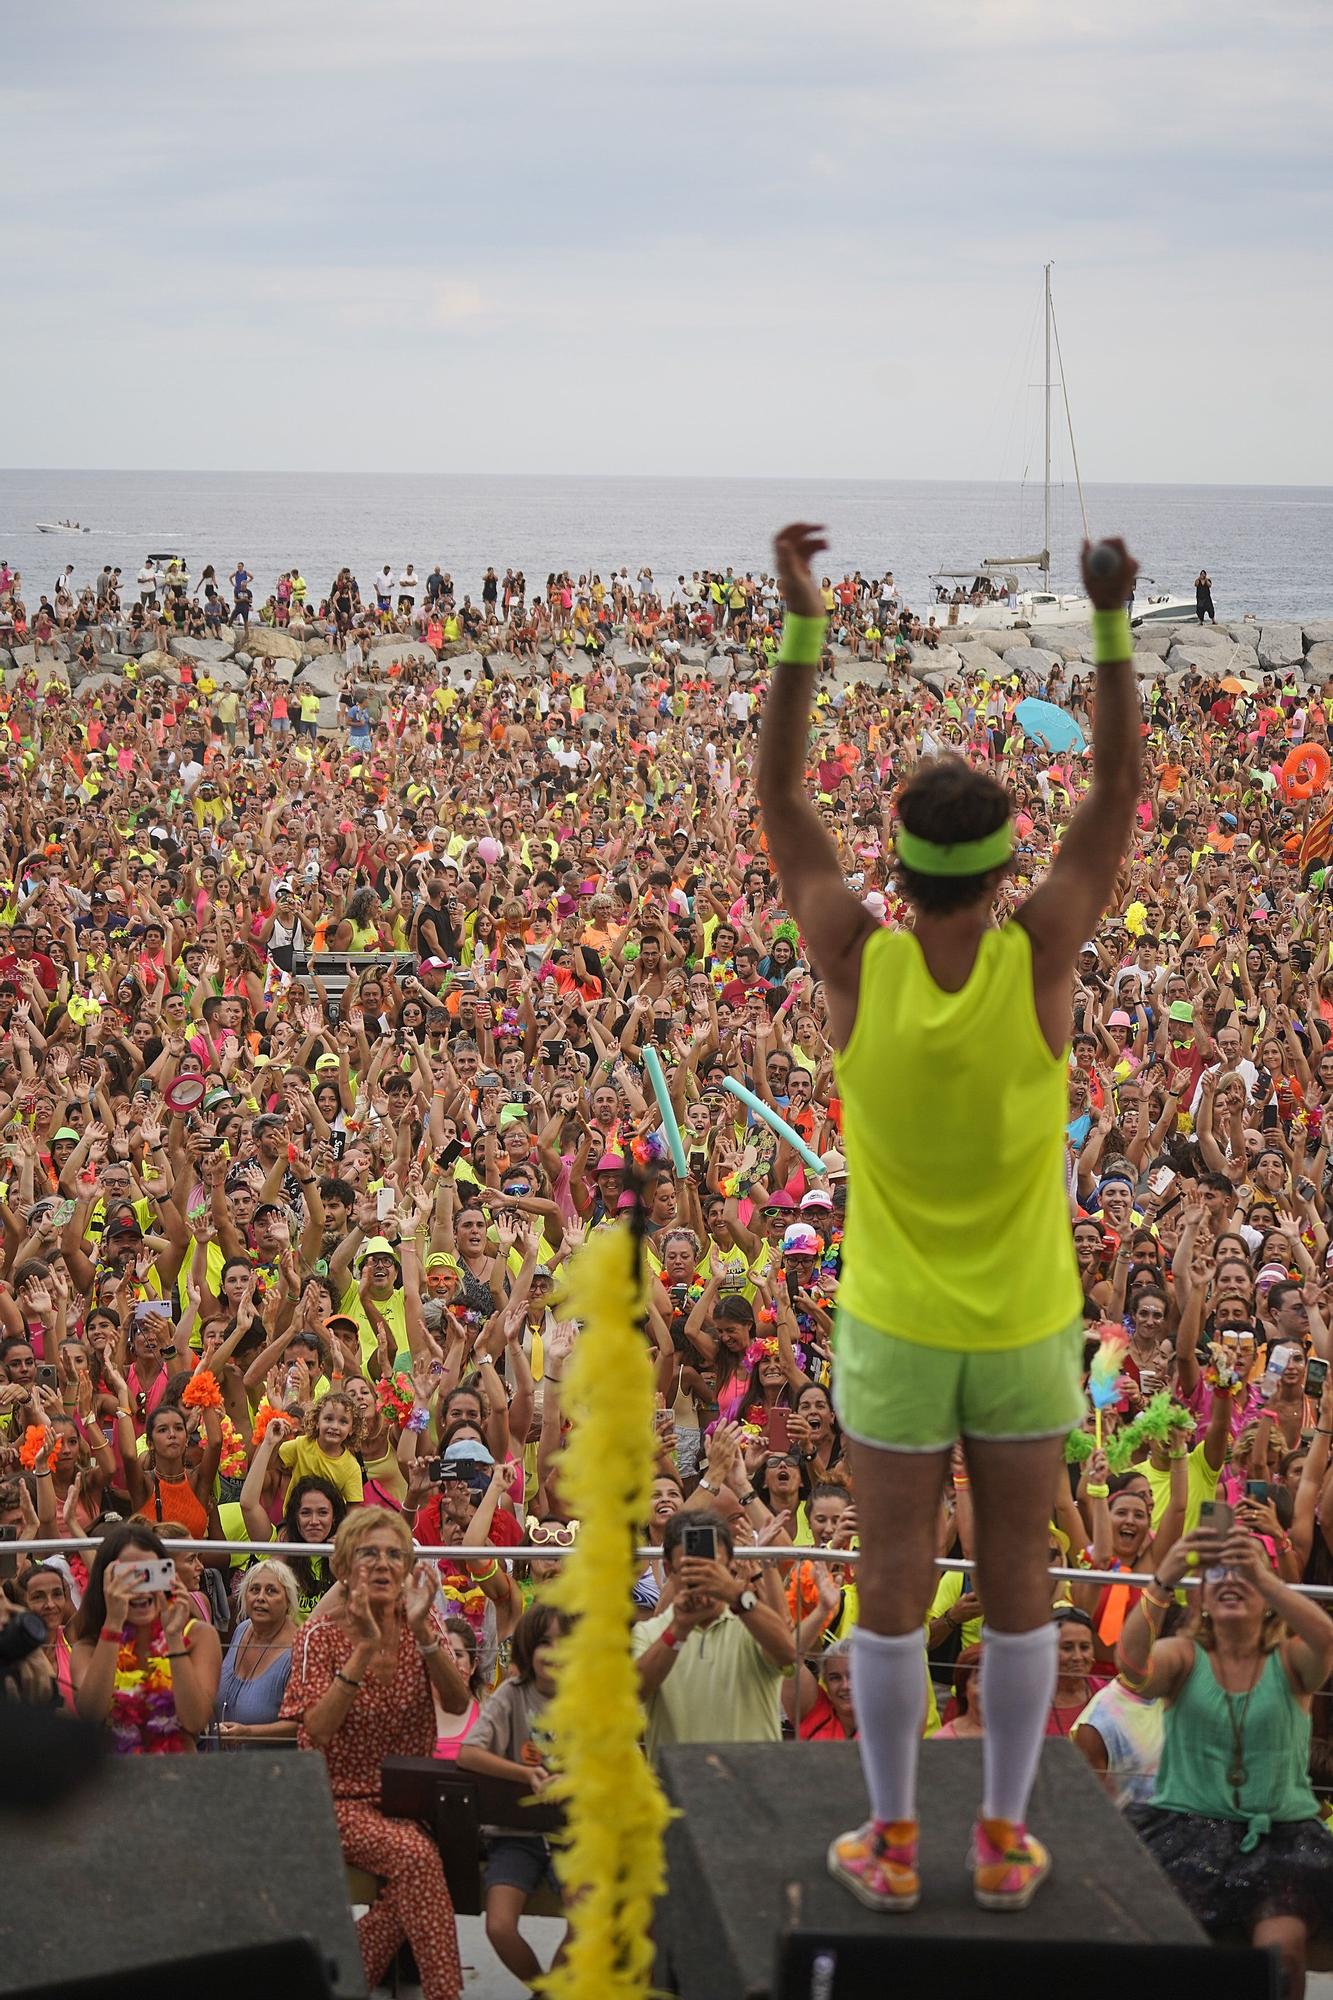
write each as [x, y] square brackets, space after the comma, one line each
[802, 641]
[1112, 639]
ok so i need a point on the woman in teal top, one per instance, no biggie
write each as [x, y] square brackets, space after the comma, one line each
[1233, 1820]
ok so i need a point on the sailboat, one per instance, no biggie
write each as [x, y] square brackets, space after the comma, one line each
[988, 595]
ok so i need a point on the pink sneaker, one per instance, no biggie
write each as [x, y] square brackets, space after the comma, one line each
[878, 1864]
[1008, 1865]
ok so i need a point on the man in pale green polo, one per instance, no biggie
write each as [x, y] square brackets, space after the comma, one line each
[959, 1307]
[710, 1668]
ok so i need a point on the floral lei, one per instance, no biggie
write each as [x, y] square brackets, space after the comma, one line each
[143, 1715]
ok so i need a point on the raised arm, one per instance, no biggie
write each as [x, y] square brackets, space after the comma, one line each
[834, 923]
[1068, 905]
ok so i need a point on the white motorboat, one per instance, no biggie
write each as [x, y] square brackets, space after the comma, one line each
[61, 528]
[1159, 607]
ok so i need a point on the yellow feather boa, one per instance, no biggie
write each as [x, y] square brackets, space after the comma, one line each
[611, 1866]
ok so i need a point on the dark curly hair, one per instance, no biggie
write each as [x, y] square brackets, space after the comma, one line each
[949, 800]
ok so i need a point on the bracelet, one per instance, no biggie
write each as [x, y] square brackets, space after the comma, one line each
[1178, 1454]
[1157, 1603]
[1320, 1431]
[426, 1651]
[1097, 1492]
[485, 1575]
[340, 1676]
[670, 1638]
[418, 1421]
[803, 640]
[183, 1654]
[1112, 638]
[111, 1635]
[41, 1472]
[960, 1479]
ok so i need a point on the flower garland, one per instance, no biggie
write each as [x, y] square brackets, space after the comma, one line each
[233, 1462]
[37, 1440]
[264, 1416]
[611, 1863]
[1153, 1425]
[202, 1391]
[394, 1395]
[143, 1719]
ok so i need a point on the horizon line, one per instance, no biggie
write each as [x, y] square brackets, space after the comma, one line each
[695, 478]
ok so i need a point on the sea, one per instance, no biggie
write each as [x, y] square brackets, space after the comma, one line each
[1268, 549]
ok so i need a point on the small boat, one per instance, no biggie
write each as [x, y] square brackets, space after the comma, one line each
[61, 528]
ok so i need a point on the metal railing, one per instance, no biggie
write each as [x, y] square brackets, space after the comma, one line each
[525, 1551]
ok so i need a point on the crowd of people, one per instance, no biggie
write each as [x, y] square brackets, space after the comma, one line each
[737, 611]
[283, 1233]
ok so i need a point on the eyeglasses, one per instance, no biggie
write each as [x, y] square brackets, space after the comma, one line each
[374, 1552]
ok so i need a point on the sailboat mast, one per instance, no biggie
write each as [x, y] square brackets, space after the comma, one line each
[1046, 495]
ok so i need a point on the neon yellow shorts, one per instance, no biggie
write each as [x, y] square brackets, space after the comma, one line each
[906, 1397]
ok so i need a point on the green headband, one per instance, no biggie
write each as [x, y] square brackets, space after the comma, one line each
[957, 857]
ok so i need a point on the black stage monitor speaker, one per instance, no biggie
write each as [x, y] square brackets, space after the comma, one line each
[753, 1912]
[160, 1860]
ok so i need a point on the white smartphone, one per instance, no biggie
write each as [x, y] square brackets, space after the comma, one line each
[1161, 1179]
[146, 1573]
[383, 1204]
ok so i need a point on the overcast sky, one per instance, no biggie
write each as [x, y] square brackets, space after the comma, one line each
[744, 236]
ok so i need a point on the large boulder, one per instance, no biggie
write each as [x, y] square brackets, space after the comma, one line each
[101, 683]
[1319, 662]
[212, 650]
[316, 647]
[400, 648]
[25, 656]
[266, 643]
[321, 674]
[6, 659]
[1317, 632]
[464, 665]
[1041, 661]
[1152, 639]
[1280, 646]
[1071, 642]
[156, 665]
[976, 658]
[944, 664]
[1191, 656]
[1148, 665]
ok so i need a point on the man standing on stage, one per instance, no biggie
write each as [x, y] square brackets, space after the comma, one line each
[959, 1307]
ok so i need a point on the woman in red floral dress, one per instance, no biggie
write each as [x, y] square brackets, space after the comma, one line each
[360, 1689]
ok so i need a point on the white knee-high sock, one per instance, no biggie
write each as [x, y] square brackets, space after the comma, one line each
[1017, 1683]
[889, 1696]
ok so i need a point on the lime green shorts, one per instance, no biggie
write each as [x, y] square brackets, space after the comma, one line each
[906, 1397]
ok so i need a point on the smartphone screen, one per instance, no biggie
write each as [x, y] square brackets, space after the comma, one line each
[449, 1153]
[700, 1541]
[1316, 1375]
[1258, 1489]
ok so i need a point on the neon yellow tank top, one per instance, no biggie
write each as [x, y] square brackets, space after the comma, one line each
[954, 1110]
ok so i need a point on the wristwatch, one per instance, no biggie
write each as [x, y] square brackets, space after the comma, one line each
[746, 1603]
[707, 1488]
